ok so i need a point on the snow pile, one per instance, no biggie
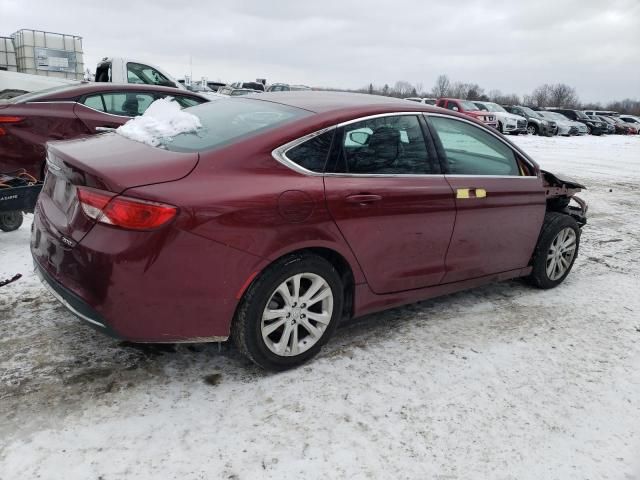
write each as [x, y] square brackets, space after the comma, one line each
[162, 120]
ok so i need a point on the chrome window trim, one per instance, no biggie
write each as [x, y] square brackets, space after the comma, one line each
[280, 153]
[487, 130]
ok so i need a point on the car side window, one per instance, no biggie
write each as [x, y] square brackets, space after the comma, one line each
[127, 104]
[452, 105]
[313, 153]
[470, 150]
[95, 102]
[390, 145]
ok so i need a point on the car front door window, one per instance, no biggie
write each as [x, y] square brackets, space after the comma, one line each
[469, 150]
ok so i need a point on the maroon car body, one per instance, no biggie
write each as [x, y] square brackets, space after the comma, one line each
[244, 205]
[29, 121]
[468, 108]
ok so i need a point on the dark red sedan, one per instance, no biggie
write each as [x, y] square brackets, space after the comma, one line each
[29, 121]
[286, 213]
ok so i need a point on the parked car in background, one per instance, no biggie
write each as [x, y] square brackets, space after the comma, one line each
[249, 85]
[29, 121]
[611, 125]
[425, 100]
[628, 128]
[287, 213]
[595, 127]
[215, 86]
[618, 128]
[630, 119]
[285, 87]
[536, 124]
[468, 108]
[602, 113]
[563, 124]
[507, 122]
[235, 92]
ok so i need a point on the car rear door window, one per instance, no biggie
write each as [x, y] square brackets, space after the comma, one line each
[312, 154]
[469, 150]
[127, 104]
[390, 145]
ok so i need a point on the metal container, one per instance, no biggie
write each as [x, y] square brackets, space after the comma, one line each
[7, 55]
[49, 54]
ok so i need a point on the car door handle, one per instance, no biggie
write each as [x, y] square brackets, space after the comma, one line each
[363, 198]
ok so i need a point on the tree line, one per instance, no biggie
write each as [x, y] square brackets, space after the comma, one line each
[547, 95]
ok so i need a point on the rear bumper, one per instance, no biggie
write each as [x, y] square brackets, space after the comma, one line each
[160, 287]
[73, 302]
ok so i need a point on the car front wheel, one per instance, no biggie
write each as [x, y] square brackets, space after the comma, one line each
[532, 129]
[556, 250]
[289, 312]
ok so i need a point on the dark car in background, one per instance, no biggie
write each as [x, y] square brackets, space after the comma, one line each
[29, 121]
[536, 124]
[285, 213]
[611, 125]
[595, 127]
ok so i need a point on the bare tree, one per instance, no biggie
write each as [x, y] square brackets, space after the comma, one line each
[541, 96]
[562, 95]
[402, 89]
[441, 88]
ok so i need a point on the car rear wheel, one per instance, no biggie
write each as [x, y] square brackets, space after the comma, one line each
[556, 250]
[289, 312]
[10, 221]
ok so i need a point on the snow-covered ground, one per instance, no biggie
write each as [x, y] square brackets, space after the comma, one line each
[501, 382]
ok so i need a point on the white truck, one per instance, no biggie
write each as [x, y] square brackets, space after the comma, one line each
[109, 69]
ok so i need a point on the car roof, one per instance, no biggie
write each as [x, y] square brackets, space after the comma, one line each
[74, 91]
[326, 102]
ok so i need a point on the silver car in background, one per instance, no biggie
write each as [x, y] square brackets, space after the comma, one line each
[575, 128]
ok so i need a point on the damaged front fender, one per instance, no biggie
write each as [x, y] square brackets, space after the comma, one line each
[561, 192]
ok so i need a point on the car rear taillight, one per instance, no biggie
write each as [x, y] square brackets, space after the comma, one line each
[6, 119]
[124, 212]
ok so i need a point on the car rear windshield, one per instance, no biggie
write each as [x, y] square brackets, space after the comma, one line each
[230, 120]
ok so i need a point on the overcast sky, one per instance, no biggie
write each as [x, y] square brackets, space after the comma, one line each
[513, 46]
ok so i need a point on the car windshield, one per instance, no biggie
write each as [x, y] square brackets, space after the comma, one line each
[581, 115]
[468, 105]
[230, 120]
[494, 107]
[557, 116]
[531, 113]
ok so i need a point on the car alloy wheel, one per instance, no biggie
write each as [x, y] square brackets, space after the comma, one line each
[561, 253]
[531, 130]
[297, 314]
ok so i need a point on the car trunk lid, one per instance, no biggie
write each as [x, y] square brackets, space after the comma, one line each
[110, 163]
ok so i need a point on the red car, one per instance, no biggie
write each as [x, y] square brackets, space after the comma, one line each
[286, 213]
[468, 108]
[29, 121]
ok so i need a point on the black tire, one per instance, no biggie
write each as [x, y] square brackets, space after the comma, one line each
[10, 221]
[501, 128]
[246, 327]
[554, 224]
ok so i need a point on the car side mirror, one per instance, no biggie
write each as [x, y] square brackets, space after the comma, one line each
[361, 138]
